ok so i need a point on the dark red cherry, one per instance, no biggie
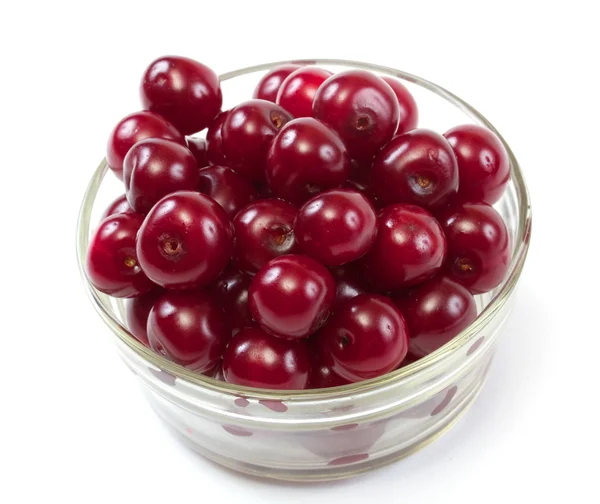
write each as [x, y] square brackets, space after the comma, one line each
[254, 358]
[366, 337]
[435, 313]
[199, 149]
[349, 283]
[112, 264]
[185, 92]
[263, 230]
[361, 107]
[154, 168]
[409, 114]
[119, 205]
[189, 328]
[185, 241]
[137, 310]
[297, 91]
[478, 246]
[410, 247]
[336, 227]
[247, 133]
[230, 290]
[292, 296]
[417, 167]
[321, 375]
[133, 128]
[483, 163]
[305, 158]
[214, 140]
[267, 87]
[227, 188]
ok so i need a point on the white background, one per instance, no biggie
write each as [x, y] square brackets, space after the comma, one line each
[73, 425]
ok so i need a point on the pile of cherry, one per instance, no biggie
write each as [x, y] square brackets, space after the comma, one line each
[315, 237]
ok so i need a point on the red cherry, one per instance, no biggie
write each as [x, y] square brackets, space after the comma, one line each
[361, 107]
[185, 92]
[254, 358]
[349, 283]
[478, 246]
[366, 337]
[336, 227]
[227, 188]
[483, 163]
[412, 234]
[214, 140]
[305, 158]
[189, 328]
[247, 133]
[112, 263]
[137, 311]
[230, 291]
[267, 87]
[409, 114]
[199, 149]
[119, 205]
[154, 168]
[321, 375]
[133, 128]
[297, 91]
[185, 241]
[435, 313]
[263, 230]
[418, 167]
[291, 296]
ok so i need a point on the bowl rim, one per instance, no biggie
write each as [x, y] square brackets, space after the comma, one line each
[520, 249]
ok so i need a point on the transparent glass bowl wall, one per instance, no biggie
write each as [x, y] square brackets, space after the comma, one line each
[332, 433]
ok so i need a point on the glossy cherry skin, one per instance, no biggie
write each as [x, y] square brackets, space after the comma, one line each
[137, 310]
[361, 107]
[410, 247]
[298, 90]
[154, 168]
[247, 133]
[185, 92]
[112, 263]
[185, 241]
[417, 167]
[336, 227]
[189, 328]
[366, 337]
[214, 140]
[478, 246]
[435, 313]
[483, 163]
[305, 158]
[199, 149]
[263, 230]
[133, 128]
[227, 188]
[230, 290]
[291, 296]
[119, 205]
[409, 113]
[267, 87]
[254, 358]
[321, 375]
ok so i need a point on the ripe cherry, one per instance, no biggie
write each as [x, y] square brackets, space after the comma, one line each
[321, 375]
[154, 168]
[189, 328]
[298, 90]
[336, 227]
[230, 290]
[112, 263]
[361, 107]
[254, 358]
[137, 310]
[199, 149]
[214, 140]
[263, 230]
[409, 114]
[292, 296]
[185, 241]
[483, 163]
[349, 283]
[227, 188]
[305, 158]
[412, 234]
[133, 128]
[478, 246]
[119, 205]
[267, 87]
[185, 92]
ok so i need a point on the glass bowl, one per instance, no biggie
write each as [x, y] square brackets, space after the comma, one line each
[329, 433]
